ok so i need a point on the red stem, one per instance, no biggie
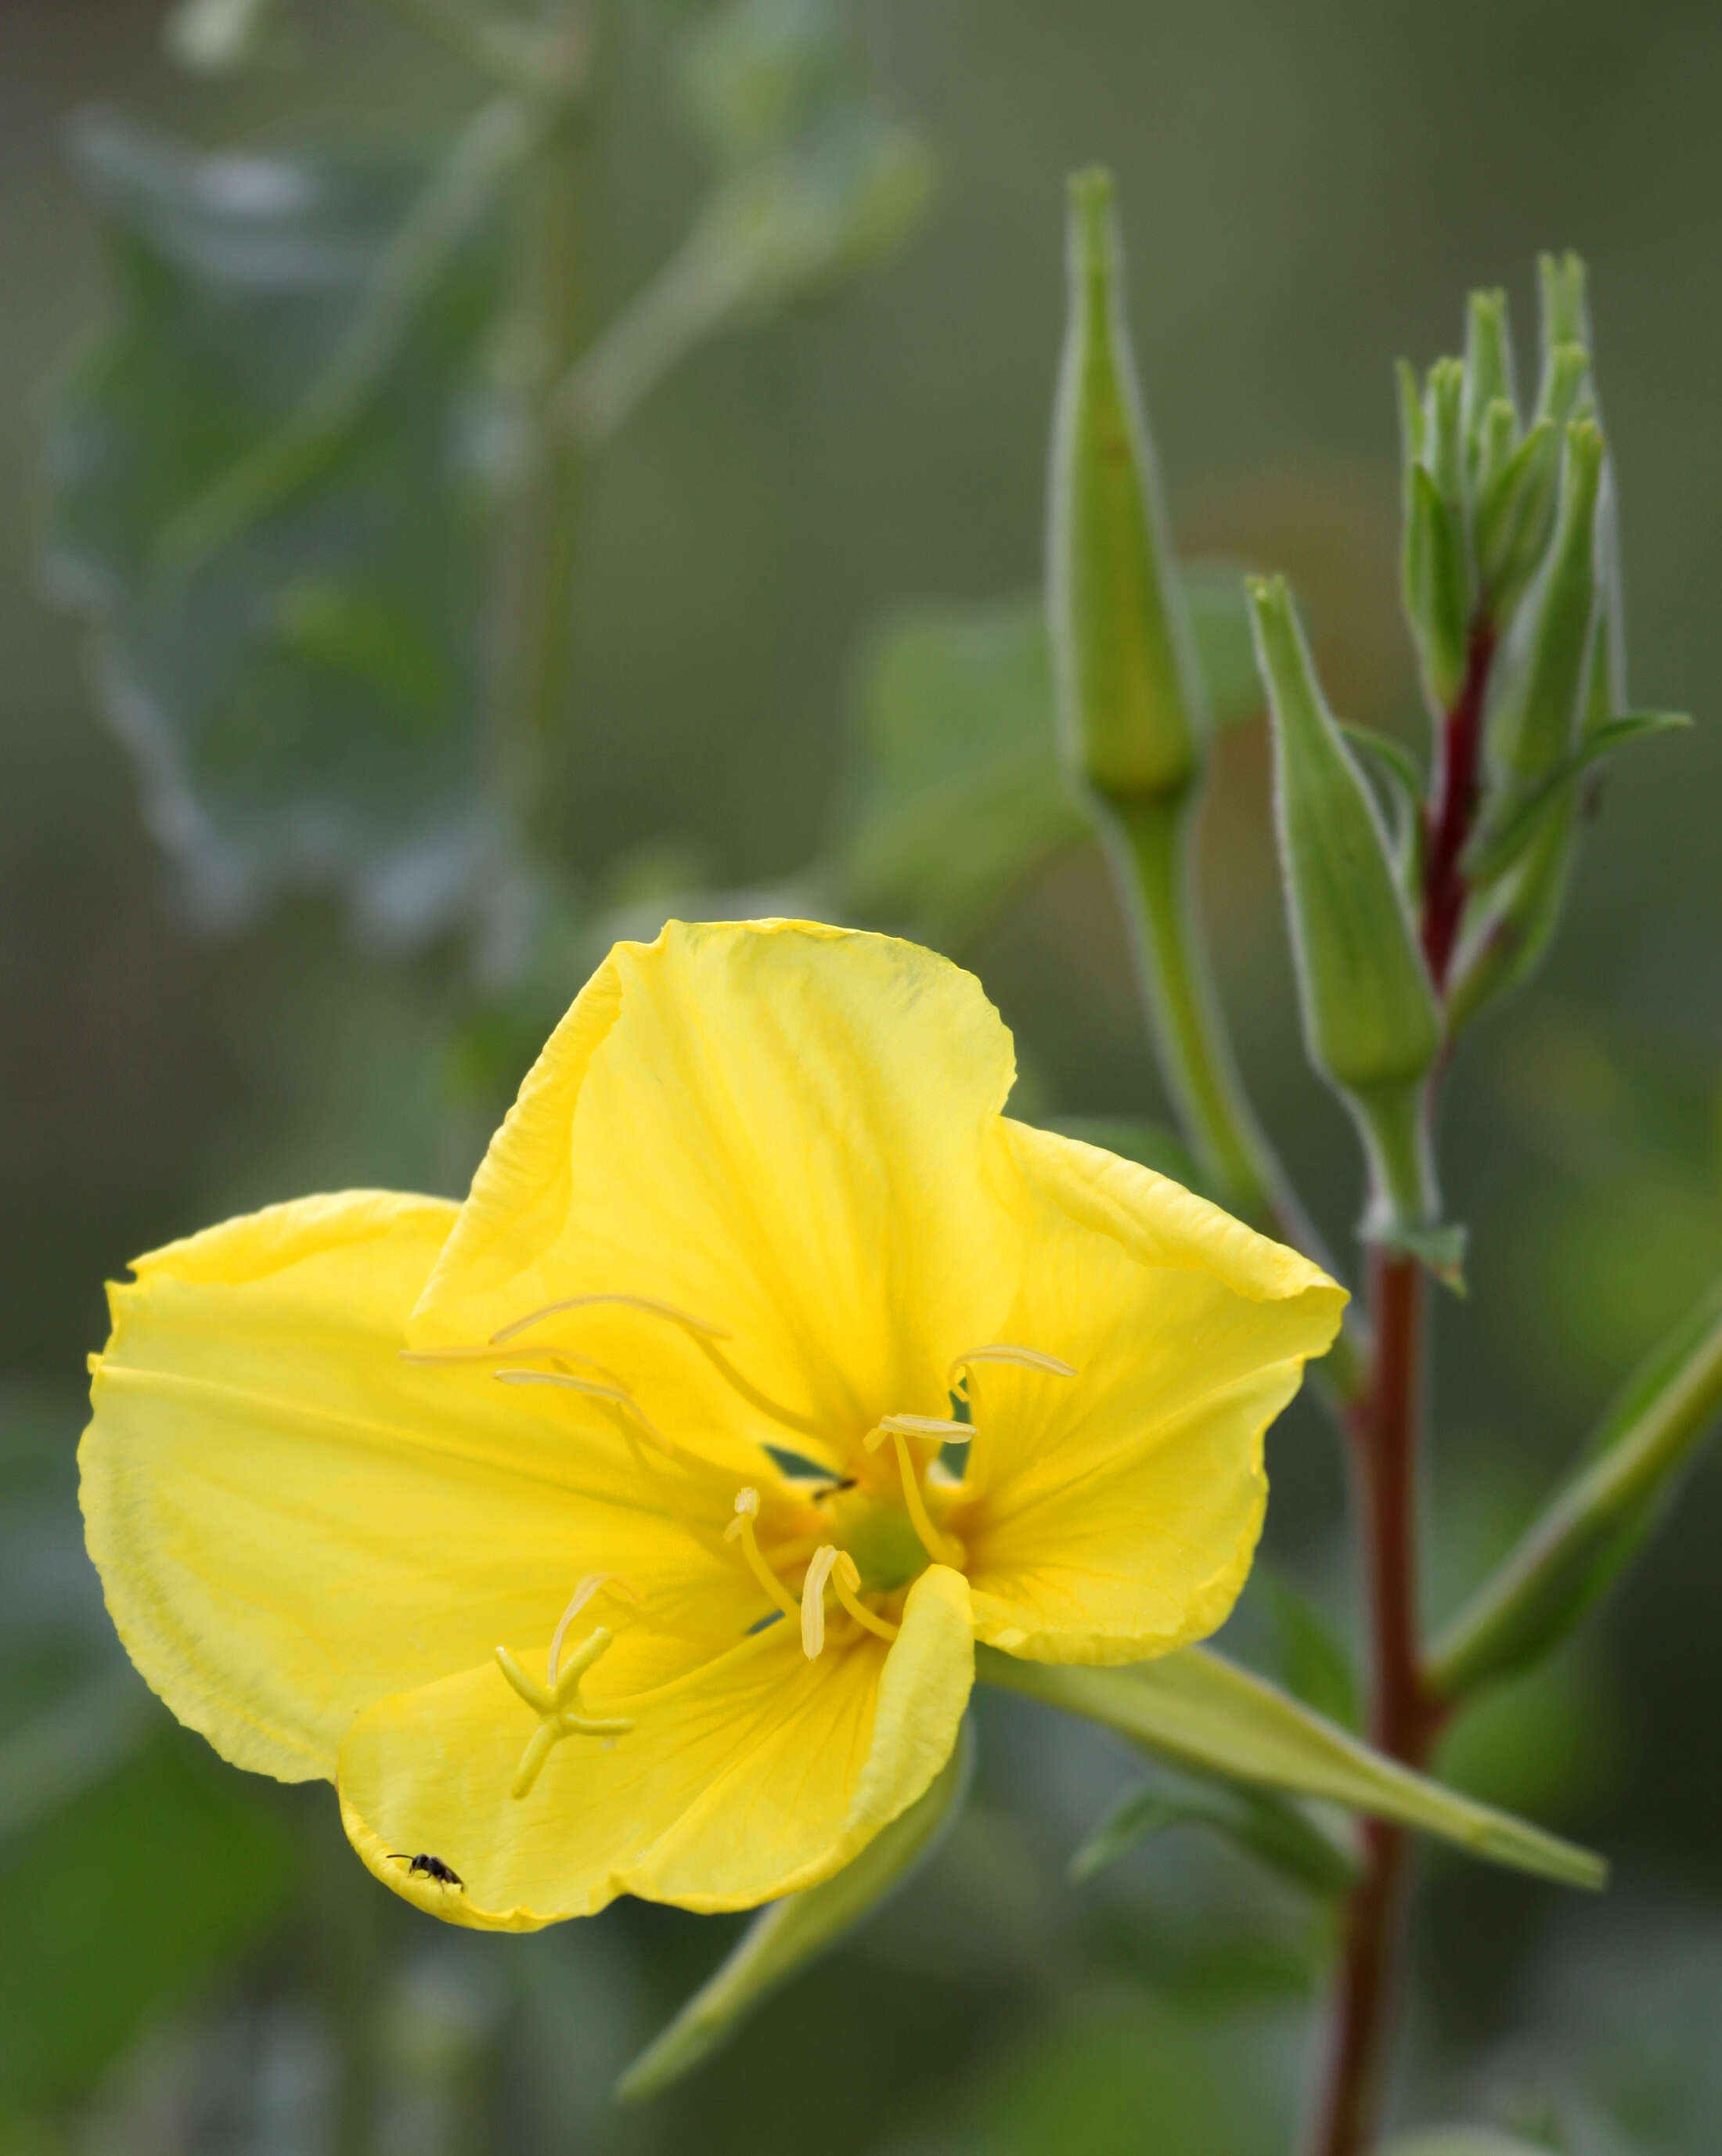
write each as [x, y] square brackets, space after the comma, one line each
[1447, 820]
[1403, 1717]
[1385, 1428]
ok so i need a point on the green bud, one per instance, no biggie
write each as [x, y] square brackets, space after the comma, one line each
[1565, 391]
[1504, 945]
[1371, 1022]
[1565, 315]
[1515, 513]
[1497, 438]
[1128, 695]
[1436, 587]
[1488, 364]
[1410, 413]
[1536, 725]
[1444, 430]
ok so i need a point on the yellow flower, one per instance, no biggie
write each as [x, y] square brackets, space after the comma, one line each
[629, 1528]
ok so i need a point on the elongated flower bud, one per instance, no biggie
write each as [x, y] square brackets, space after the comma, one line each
[1436, 567]
[1127, 691]
[1537, 723]
[1371, 1022]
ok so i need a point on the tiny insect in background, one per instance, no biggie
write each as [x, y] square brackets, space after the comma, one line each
[432, 1867]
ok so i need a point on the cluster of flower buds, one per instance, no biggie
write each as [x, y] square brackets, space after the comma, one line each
[1512, 592]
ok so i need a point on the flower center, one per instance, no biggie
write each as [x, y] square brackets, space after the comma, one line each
[881, 1531]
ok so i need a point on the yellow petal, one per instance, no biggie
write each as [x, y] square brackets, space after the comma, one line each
[785, 1131]
[291, 1522]
[1119, 1510]
[757, 1776]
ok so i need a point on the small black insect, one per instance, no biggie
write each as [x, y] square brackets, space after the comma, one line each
[432, 1867]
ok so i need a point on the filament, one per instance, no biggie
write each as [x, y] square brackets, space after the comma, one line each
[617, 1395]
[846, 1581]
[940, 1548]
[747, 1506]
[582, 1596]
[649, 1304]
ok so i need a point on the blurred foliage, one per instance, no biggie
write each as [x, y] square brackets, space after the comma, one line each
[277, 520]
[957, 790]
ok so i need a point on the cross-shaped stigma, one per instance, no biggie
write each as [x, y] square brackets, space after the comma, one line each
[559, 1707]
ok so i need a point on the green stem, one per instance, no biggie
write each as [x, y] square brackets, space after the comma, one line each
[1148, 846]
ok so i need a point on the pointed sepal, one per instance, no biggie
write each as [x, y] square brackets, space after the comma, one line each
[787, 1935]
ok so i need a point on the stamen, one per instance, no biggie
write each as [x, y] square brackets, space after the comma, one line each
[1029, 1359]
[845, 1582]
[551, 1348]
[649, 1304]
[945, 1428]
[559, 1709]
[940, 1548]
[582, 1595]
[704, 1335]
[618, 1395]
[819, 1566]
[747, 1506]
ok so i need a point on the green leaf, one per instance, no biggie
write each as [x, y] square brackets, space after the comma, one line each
[122, 1903]
[1440, 1249]
[958, 795]
[1314, 1660]
[1596, 1523]
[1273, 1829]
[784, 1937]
[133, 1863]
[1203, 1712]
[1396, 762]
[268, 497]
[1493, 853]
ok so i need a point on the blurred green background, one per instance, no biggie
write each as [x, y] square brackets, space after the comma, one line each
[189, 1958]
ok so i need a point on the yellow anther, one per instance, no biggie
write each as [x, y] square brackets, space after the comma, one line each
[1029, 1358]
[819, 1567]
[583, 1594]
[559, 1707]
[947, 1431]
[747, 1506]
[941, 1548]
[846, 1583]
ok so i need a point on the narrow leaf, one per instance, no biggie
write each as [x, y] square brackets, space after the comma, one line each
[1272, 1829]
[786, 1936]
[1203, 1712]
[1314, 1660]
[1493, 854]
[1595, 1524]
